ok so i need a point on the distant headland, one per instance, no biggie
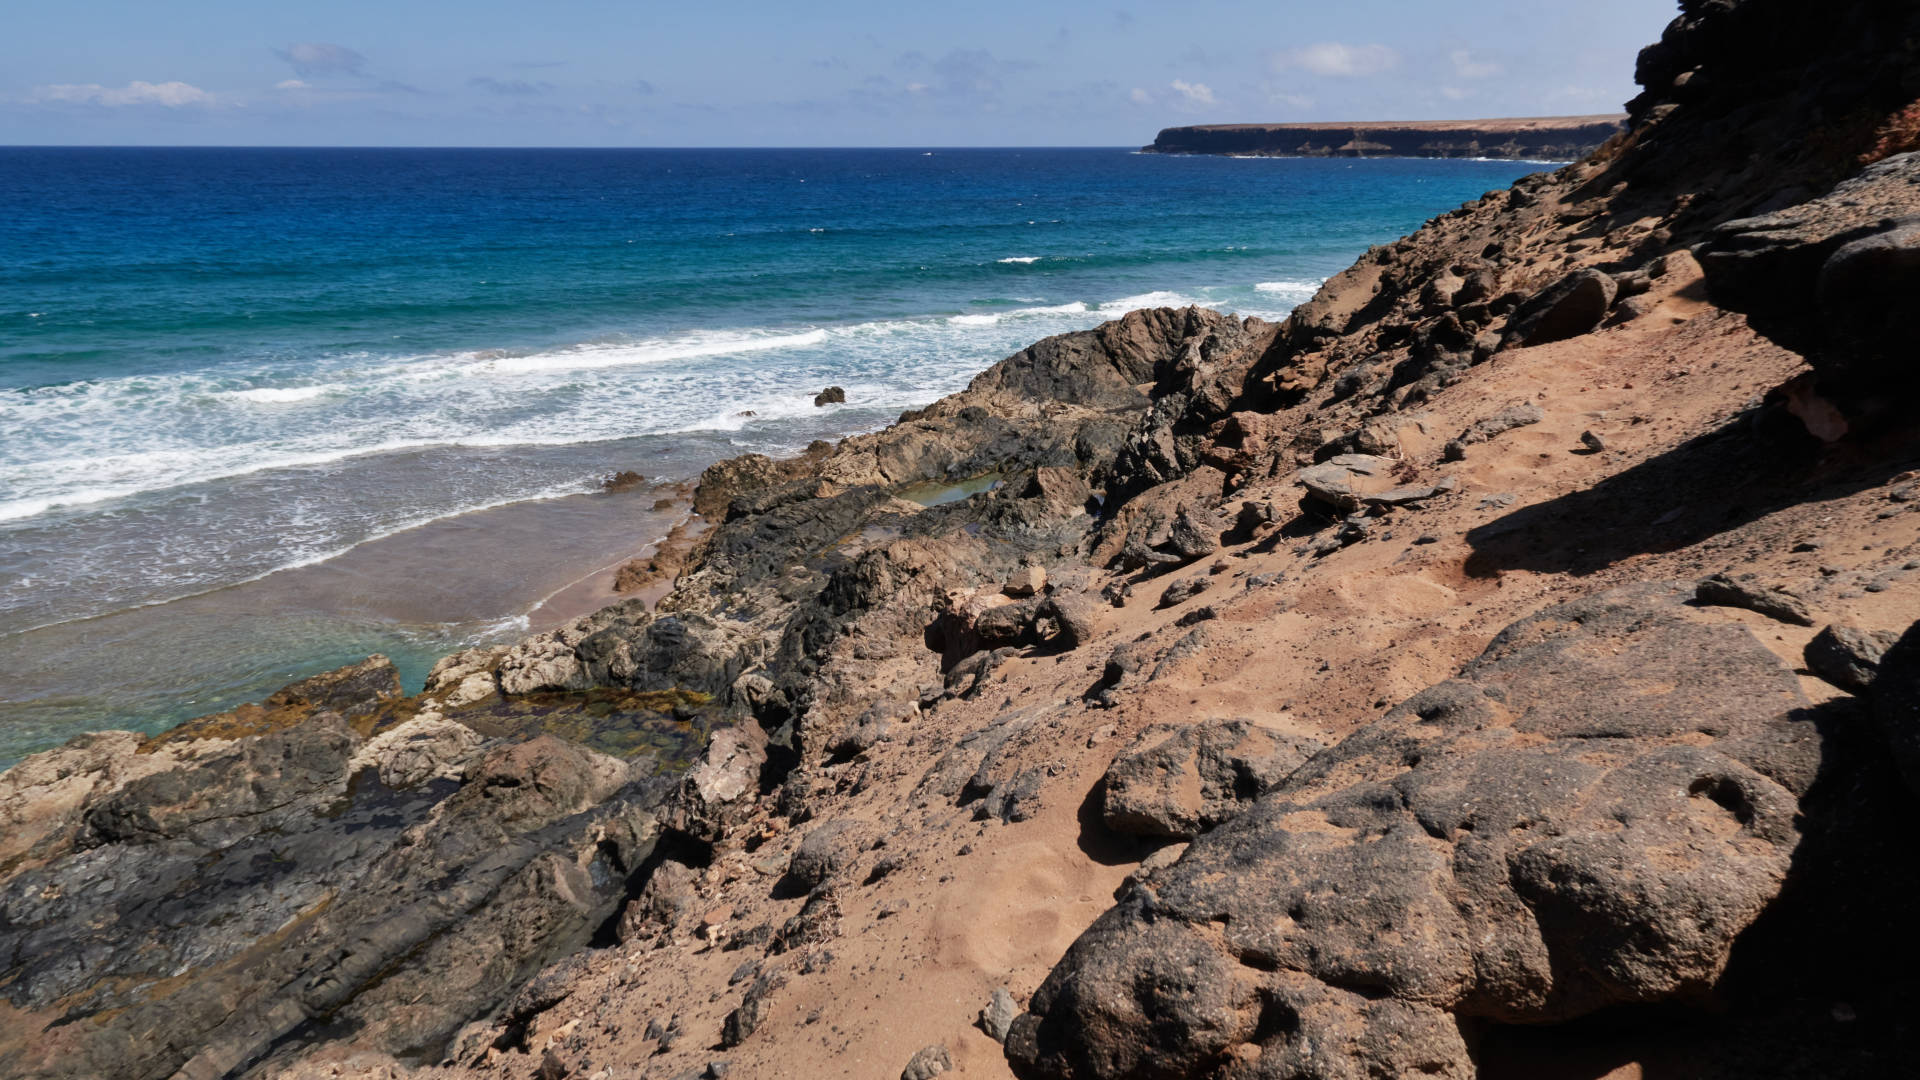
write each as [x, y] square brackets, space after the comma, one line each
[1559, 138]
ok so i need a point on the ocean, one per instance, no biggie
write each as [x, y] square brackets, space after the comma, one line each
[265, 411]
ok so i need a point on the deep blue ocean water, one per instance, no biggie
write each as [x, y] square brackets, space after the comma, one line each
[217, 364]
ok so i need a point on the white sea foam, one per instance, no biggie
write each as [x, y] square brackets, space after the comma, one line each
[88, 443]
[1157, 299]
[1022, 259]
[1290, 288]
[588, 357]
[279, 395]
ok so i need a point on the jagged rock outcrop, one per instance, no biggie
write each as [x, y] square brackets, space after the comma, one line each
[1588, 815]
[1831, 279]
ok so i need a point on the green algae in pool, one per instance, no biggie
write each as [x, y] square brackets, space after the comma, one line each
[941, 492]
[669, 725]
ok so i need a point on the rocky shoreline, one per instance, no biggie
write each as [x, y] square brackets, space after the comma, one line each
[1501, 667]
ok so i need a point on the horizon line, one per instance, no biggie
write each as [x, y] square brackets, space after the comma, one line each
[399, 146]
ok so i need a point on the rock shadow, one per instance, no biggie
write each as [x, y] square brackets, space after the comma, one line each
[1103, 845]
[1754, 464]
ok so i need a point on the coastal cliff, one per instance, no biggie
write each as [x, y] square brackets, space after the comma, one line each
[1503, 666]
[1546, 138]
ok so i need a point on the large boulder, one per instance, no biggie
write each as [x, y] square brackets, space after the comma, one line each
[1566, 309]
[1588, 815]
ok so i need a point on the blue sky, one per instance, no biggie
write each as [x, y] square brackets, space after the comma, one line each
[833, 73]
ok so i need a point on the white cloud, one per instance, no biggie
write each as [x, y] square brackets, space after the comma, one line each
[172, 95]
[292, 84]
[1465, 66]
[1292, 101]
[917, 88]
[310, 58]
[1455, 93]
[1194, 93]
[1334, 58]
[1140, 97]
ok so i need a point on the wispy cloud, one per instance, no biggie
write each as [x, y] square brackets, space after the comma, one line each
[171, 95]
[1333, 58]
[509, 87]
[961, 73]
[1466, 67]
[1194, 94]
[317, 59]
[1140, 97]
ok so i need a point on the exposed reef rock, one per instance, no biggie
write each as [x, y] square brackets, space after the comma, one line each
[1550, 138]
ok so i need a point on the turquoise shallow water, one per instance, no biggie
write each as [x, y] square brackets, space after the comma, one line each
[216, 365]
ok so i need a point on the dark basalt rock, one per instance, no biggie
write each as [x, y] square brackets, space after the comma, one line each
[228, 902]
[1566, 309]
[1588, 815]
[1833, 279]
[1896, 704]
[1849, 657]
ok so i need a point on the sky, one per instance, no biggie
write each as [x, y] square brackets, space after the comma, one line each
[809, 73]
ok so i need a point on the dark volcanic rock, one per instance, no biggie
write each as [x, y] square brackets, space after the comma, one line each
[1849, 657]
[1194, 535]
[228, 901]
[1833, 279]
[1568, 308]
[1774, 603]
[1578, 820]
[828, 851]
[832, 395]
[1896, 704]
[1179, 780]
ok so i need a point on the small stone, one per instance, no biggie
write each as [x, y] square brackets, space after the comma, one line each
[1193, 535]
[928, 1063]
[1592, 442]
[998, 1015]
[1198, 615]
[1723, 591]
[832, 395]
[1027, 582]
[1426, 538]
[1183, 590]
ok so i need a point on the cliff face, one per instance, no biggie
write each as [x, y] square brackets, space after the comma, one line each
[1495, 668]
[1559, 138]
